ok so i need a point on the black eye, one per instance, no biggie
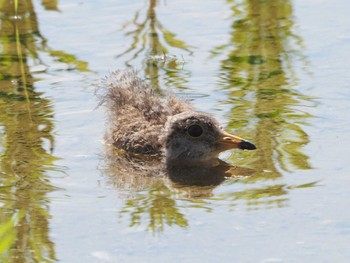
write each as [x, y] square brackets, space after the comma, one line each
[195, 130]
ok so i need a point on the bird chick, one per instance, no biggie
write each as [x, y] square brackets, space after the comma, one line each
[197, 137]
[142, 122]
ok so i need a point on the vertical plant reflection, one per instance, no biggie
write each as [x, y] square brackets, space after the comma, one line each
[27, 122]
[157, 208]
[147, 43]
[153, 44]
[26, 137]
[258, 74]
[148, 197]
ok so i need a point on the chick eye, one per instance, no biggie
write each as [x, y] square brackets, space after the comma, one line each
[195, 130]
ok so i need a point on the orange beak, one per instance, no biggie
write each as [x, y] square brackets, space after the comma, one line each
[229, 141]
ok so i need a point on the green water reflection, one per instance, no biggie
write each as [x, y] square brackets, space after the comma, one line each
[262, 85]
[155, 207]
[26, 136]
[258, 74]
[154, 44]
[26, 119]
[259, 71]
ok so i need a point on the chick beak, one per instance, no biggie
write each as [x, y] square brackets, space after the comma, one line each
[229, 141]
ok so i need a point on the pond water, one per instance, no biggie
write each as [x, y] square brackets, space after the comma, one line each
[273, 72]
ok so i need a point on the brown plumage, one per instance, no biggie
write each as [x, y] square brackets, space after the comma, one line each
[141, 121]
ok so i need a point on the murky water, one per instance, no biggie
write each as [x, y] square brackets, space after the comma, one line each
[274, 72]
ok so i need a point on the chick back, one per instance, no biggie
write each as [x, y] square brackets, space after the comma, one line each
[136, 114]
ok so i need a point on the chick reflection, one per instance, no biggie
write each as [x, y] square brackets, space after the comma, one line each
[151, 185]
[136, 172]
[186, 143]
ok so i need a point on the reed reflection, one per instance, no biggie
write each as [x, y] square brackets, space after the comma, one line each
[26, 137]
[259, 75]
[142, 183]
[155, 44]
[156, 208]
[155, 191]
[149, 200]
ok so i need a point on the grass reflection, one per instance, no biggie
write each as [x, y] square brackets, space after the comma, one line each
[259, 76]
[148, 195]
[27, 140]
[153, 42]
[270, 196]
[258, 71]
[157, 208]
[20, 36]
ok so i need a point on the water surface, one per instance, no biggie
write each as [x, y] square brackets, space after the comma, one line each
[274, 72]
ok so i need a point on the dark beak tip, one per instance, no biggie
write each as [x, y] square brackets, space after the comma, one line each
[246, 145]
